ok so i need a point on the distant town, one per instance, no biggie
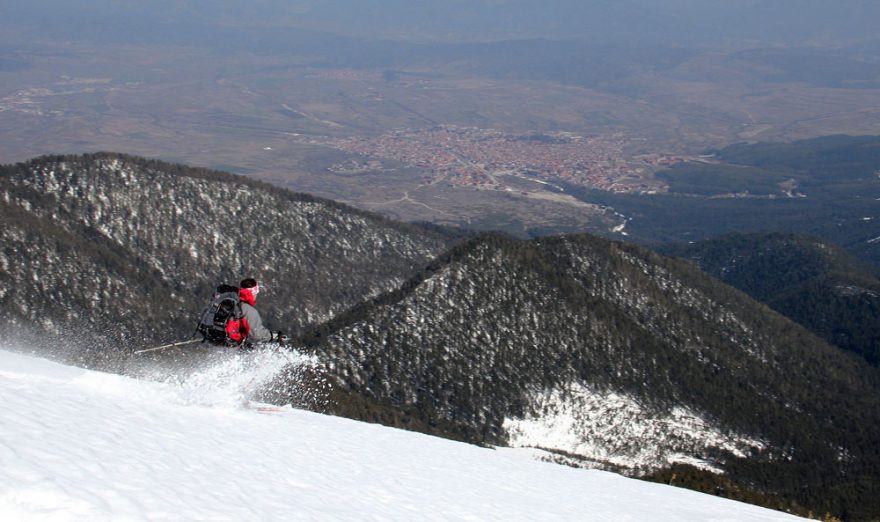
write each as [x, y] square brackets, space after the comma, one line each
[482, 158]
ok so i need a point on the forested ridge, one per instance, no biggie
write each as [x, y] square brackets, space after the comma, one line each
[107, 241]
[807, 279]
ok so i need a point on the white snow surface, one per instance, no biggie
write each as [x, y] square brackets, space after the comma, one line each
[82, 445]
[614, 428]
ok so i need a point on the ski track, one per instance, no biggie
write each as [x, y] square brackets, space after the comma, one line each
[83, 445]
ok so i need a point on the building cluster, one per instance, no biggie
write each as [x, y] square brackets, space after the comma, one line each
[25, 101]
[473, 157]
[346, 74]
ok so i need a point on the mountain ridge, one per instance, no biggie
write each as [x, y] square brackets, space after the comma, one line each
[480, 345]
[808, 279]
[185, 230]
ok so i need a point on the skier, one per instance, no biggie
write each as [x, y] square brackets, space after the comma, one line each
[231, 320]
[252, 328]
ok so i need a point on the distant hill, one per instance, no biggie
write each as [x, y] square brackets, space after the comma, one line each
[811, 281]
[612, 356]
[683, 22]
[825, 187]
[111, 243]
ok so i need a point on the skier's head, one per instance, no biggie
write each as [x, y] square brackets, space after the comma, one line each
[249, 290]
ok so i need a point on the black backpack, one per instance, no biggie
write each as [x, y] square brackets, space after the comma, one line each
[221, 321]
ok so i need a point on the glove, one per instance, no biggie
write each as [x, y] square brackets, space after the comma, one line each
[280, 338]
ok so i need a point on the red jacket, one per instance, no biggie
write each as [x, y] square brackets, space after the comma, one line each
[250, 326]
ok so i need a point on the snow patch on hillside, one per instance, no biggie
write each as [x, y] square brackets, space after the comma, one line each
[614, 428]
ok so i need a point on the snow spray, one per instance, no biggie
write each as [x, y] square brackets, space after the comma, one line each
[231, 379]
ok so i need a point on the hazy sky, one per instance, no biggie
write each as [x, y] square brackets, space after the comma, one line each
[673, 22]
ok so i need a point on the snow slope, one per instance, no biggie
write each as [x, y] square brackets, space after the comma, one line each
[83, 445]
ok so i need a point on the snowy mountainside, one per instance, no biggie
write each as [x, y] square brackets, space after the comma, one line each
[166, 234]
[602, 354]
[610, 353]
[84, 445]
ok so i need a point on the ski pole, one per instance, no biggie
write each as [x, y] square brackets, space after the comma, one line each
[164, 346]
